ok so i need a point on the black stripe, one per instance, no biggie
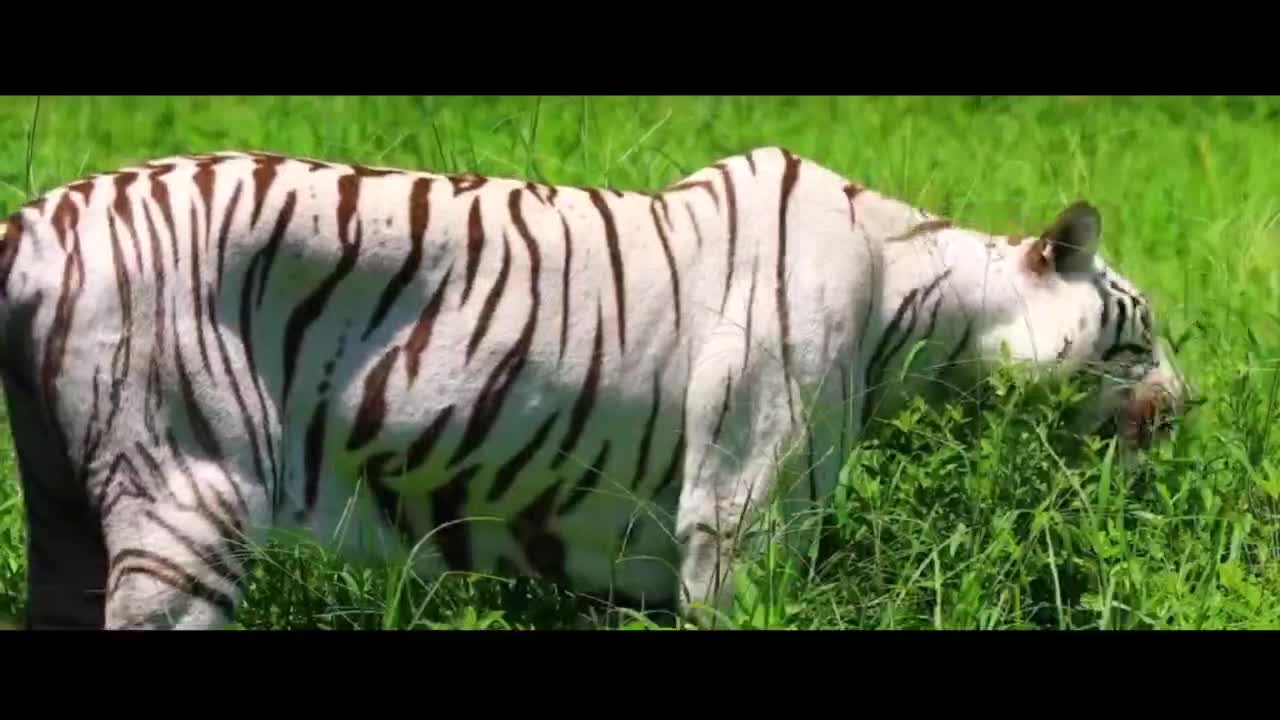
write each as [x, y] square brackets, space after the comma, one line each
[197, 289]
[588, 482]
[1120, 347]
[226, 230]
[246, 332]
[373, 405]
[447, 504]
[586, 395]
[671, 264]
[646, 438]
[751, 307]
[475, 245]
[176, 578]
[420, 336]
[1122, 315]
[510, 470]
[387, 500]
[208, 555]
[313, 452]
[564, 288]
[426, 442]
[542, 549]
[790, 175]
[250, 427]
[615, 261]
[732, 209]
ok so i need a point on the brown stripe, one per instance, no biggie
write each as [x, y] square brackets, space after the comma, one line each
[646, 438]
[121, 356]
[250, 427]
[311, 308]
[66, 216]
[197, 292]
[661, 200]
[419, 219]
[9, 250]
[671, 265]
[564, 289]
[703, 184]
[724, 409]
[157, 271]
[201, 427]
[751, 308]
[873, 365]
[697, 231]
[313, 452]
[264, 173]
[510, 470]
[586, 396]
[494, 391]
[92, 437]
[226, 229]
[851, 191]
[151, 400]
[923, 228]
[732, 205]
[246, 331]
[447, 505]
[751, 161]
[915, 309]
[420, 336]
[55, 344]
[615, 260]
[84, 188]
[204, 179]
[373, 406]
[124, 208]
[790, 174]
[272, 247]
[160, 195]
[37, 205]
[475, 244]
[491, 300]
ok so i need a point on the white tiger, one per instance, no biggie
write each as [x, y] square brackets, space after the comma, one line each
[506, 376]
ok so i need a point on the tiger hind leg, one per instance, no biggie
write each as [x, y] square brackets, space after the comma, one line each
[66, 558]
[177, 551]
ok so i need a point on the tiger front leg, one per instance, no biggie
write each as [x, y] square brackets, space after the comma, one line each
[177, 550]
[734, 435]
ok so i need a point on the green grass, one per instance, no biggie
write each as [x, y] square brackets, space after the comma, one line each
[937, 528]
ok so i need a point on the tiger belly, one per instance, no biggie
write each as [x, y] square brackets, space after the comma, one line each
[576, 491]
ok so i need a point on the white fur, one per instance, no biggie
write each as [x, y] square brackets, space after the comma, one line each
[846, 271]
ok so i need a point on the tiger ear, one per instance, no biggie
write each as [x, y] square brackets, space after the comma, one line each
[1069, 244]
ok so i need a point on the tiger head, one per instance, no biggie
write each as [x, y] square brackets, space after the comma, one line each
[1063, 308]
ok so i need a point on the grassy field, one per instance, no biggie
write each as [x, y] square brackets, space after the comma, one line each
[992, 532]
